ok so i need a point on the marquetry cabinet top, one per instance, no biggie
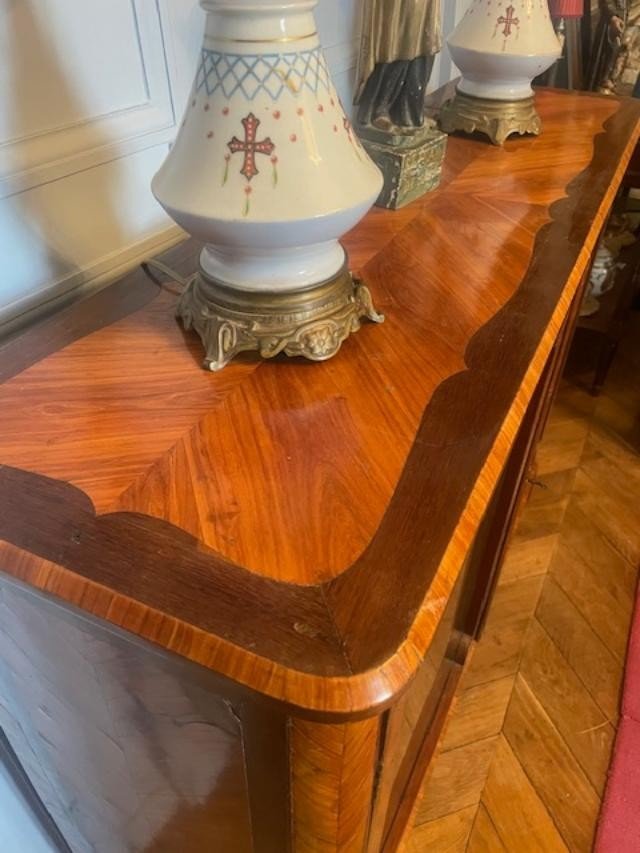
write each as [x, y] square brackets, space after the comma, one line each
[298, 527]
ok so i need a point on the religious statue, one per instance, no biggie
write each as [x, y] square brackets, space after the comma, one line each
[612, 17]
[616, 54]
[400, 40]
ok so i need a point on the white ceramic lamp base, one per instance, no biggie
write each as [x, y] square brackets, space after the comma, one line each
[272, 270]
[266, 171]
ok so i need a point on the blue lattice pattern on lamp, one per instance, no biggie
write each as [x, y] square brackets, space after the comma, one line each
[272, 73]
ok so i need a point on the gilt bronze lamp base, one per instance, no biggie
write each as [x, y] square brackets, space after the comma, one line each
[312, 323]
[496, 119]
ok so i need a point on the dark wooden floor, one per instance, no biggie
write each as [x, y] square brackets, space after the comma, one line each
[523, 764]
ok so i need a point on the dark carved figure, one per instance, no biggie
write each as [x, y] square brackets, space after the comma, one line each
[400, 39]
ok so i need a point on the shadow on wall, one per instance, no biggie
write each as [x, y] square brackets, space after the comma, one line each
[33, 223]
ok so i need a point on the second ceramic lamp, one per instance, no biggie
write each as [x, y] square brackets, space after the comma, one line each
[500, 46]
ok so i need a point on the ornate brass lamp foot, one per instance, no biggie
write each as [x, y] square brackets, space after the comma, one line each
[496, 119]
[312, 323]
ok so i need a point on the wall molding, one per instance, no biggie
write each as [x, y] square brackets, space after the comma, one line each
[44, 156]
[27, 310]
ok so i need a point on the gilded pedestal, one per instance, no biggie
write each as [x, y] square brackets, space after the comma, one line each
[312, 323]
[411, 163]
[496, 119]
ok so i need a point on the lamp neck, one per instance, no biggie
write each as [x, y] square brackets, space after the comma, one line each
[279, 7]
[251, 25]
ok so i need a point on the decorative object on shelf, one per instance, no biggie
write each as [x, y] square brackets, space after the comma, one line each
[619, 235]
[499, 48]
[614, 66]
[606, 44]
[267, 171]
[400, 40]
[567, 20]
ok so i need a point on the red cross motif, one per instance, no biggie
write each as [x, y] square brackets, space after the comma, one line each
[509, 21]
[250, 146]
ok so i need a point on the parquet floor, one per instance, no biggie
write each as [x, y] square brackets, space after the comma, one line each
[523, 763]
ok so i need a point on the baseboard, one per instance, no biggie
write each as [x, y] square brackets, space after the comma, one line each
[33, 307]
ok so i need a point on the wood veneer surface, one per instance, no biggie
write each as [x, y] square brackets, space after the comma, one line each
[126, 749]
[285, 522]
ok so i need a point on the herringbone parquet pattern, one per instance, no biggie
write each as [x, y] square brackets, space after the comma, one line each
[524, 761]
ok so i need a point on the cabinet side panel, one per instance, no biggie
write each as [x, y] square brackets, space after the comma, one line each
[406, 730]
[332, 776]
[126, 748]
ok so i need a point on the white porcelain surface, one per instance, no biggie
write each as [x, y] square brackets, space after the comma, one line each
[500, 76]
[266, 167]
[501, 45]
[270, 269]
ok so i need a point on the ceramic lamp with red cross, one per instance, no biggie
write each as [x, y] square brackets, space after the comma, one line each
[267, 172]
[500, 46]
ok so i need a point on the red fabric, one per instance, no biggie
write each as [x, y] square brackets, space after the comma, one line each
[566, 8]
[631, 695]
[619, 828]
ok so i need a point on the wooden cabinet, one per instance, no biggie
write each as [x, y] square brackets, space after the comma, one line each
[234, 608]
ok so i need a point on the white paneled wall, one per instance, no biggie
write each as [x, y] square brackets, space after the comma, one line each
[90, 95]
